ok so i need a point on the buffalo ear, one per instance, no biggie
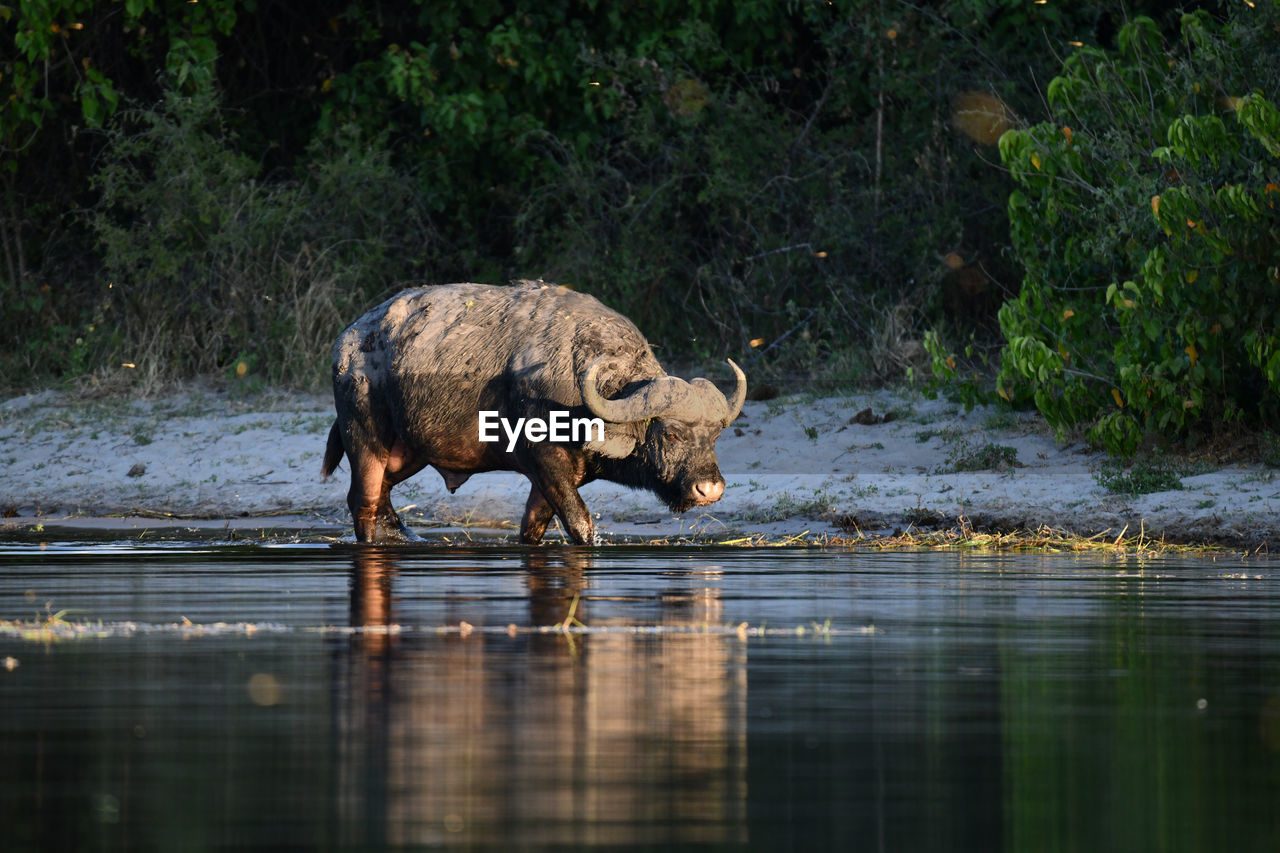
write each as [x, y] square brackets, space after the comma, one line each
[617, 444]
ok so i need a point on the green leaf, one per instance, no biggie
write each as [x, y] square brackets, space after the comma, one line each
[1262, 120]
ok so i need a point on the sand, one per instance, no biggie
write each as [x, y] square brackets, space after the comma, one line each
[799, 465]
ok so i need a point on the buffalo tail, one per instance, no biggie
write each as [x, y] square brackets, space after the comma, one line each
[332, 452]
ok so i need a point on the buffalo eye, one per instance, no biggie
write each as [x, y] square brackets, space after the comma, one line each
[672, 435]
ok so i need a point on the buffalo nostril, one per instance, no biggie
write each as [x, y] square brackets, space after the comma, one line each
[708, 491]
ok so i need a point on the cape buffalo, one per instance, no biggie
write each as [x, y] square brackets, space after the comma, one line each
[411, 377]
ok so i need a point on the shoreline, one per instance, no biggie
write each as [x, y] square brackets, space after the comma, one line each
[862, 468]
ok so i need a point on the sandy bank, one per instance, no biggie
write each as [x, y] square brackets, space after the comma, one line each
[791, 466]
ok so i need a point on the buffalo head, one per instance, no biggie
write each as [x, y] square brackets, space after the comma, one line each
[668, 430]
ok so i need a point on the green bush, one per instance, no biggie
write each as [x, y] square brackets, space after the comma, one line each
[964, 455]
[1146, 225]
[1140, 478]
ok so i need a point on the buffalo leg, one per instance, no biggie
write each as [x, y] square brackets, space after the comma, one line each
[363, 497]
[555, 475]
[573, 513]
[400, 468]
[370, 503]
[537, 514]
[391, 528]
[575, 516]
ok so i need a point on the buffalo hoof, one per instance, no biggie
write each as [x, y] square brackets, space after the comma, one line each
[395, 535]
[389, 530]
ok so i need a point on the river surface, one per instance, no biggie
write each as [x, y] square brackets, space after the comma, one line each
[194, 696]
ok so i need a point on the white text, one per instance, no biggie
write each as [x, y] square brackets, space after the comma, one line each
[558, 427]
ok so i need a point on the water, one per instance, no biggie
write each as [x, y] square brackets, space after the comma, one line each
[331, 697]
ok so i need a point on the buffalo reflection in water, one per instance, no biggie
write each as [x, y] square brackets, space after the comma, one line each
[545, 738]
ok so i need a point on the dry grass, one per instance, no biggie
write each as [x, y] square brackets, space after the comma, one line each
[963, 537]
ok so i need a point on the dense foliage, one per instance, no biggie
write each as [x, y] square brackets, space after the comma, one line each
[205, 186]
[219, 186]
[1145, 221]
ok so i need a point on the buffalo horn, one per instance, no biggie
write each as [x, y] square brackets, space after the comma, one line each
[652, 399]
[739, 393]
